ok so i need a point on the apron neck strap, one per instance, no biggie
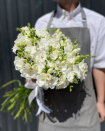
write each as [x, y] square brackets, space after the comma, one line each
[83, 18]
[51, 19]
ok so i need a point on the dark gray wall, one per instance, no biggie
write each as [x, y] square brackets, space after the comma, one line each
[17, 13]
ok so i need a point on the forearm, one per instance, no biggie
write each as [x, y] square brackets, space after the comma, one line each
[99, 79]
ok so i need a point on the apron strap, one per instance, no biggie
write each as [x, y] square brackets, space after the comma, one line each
[83, 18]
[51, 18]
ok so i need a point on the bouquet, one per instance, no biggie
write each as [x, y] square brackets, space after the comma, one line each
[51, 58]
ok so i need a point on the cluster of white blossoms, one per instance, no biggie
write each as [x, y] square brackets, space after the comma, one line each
[51, 59]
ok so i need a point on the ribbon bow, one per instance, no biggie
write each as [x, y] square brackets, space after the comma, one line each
[39, 94]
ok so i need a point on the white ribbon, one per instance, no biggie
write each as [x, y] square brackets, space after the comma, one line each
[39, 94]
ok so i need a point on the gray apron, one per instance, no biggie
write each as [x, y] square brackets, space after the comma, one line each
[76, 110]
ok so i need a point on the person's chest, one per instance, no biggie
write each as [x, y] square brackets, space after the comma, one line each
[77, 22]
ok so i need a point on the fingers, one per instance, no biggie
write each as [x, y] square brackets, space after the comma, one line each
[28, 81]
[101, 111]
[102, 117]
[32, 80]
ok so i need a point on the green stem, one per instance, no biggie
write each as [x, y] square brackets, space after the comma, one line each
[16, 106]
[10, 82]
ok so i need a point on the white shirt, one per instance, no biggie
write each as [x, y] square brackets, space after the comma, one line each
[95, 22]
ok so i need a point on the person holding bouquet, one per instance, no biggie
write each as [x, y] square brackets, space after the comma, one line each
[78, 110]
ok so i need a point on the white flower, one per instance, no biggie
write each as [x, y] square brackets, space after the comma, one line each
[63, 85]
[43, 44]
[41, 80]
[31, 50]
[53, 82]
[38, 68]
[25, 28]
[40, 56]
[61, 82]
[66, 49]
[20, 35]
[54, 55]
[19, 63]
[28, 73]
[63, 67]
[77, 70]
[51, 64]
[46, 85]
[68, 45]
[55, 43]
[75, 51]
[27, 66]
[70, 75]
[84, 68]
[15, 48]
[23, 40]
[50, 70]
[48, 77]
[41, 32]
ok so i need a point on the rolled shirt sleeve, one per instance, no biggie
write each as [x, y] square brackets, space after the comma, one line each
[99, 61]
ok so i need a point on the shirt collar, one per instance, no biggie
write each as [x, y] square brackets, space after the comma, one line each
[63, 13]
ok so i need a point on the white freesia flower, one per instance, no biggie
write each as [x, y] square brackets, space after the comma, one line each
[70, 58]
[53, 82]
[54, 55]
[27, 66]
[63, 67]
[15, 48]
[61, 86]
[61, 82]
[28, 73]
[40, 56]
[41, 80]
[77, 70]
[51, 64]
[50, 70]
[35, 68]
[53, 43]
[41, 32]
[75, 51]
[20, 35]
[43, 44]
[70, 75]
[24, 40]
[25, 28]
[31, 50]
[38, 68]
[19, 63]
[67, 50]
[48, 77]
[84, 68]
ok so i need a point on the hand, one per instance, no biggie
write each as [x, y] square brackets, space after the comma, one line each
[32, 80]
[101, 110]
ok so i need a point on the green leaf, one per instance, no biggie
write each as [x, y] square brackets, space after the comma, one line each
[71, 86]
[75, 40]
